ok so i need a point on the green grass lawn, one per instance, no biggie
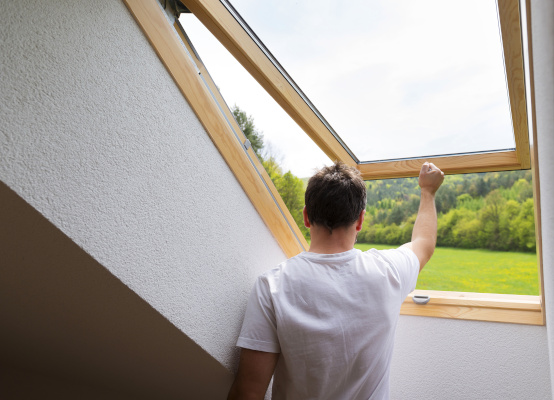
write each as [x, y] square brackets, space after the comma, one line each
[476, 270]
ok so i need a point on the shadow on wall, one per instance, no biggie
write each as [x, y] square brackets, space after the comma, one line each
[65, 318]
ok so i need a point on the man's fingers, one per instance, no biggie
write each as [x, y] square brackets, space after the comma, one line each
[430, 177]
[428, 167]
[433, 167]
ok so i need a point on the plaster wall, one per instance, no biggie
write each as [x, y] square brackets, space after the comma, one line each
[438, 359]
[542, 14]
[95, 135]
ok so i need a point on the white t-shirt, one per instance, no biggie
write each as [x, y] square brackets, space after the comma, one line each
[333, 318]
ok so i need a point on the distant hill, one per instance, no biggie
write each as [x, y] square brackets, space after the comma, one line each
[491, 210]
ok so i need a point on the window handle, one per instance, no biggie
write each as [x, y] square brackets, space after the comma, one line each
[419, 299]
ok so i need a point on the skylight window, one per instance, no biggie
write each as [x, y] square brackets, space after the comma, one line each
[396, 79]
[398, 84]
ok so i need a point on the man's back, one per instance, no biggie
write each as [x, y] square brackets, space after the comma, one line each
[324, 321]
[333, 318]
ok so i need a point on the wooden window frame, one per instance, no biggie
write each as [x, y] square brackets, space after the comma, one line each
[196, 85]
[224, 23]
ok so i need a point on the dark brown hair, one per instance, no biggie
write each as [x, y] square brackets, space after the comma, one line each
[335, 196]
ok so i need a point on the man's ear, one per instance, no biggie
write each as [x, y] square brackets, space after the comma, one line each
[360, 221]
[306, 220]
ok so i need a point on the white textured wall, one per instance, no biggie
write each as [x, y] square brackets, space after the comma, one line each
[96, 136]
[542, 14]
[437, 359]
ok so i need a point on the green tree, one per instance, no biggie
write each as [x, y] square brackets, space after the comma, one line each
[523, 190]
[490, 217]
[246, 124]
[445, 228]
[396, 215]
[291, 189]
[523, 227]
[508, 214]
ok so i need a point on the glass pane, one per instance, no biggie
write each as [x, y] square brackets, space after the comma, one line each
[486, 231]
[283, 138]
[395, 79]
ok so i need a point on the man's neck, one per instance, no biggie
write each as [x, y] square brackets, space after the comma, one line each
[323, 242]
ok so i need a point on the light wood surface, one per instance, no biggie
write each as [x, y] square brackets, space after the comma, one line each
[229, 32]
[460, 164]
[510, 27]
[167, 45]
[257, 164]
[535, 160]
[477, 306]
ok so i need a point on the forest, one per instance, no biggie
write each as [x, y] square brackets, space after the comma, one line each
[492, 210]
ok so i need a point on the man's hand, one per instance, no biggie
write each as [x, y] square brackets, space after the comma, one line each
[424, 235]
[430, 177]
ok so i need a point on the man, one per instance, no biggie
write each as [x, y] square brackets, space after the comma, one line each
[325, 320]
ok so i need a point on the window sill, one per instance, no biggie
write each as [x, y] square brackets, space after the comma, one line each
[508, 308]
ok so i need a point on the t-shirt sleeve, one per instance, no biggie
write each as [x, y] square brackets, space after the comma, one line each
[406, 263]
[259, 329]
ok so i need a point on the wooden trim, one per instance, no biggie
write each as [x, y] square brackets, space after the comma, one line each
[230, 33]
[510, 27]
[477, 307]
[535, 159]
[454, 164]
[167, 45]
[230, 117]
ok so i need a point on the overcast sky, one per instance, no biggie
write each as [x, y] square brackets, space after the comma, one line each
[393, 78]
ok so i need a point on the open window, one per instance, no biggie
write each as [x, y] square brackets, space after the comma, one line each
[476, 155]
[509, 150]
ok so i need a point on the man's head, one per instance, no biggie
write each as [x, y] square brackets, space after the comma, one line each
[335, 197]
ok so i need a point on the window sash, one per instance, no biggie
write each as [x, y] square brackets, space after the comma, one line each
[226, 25]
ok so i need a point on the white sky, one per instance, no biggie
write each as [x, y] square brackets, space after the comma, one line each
[393, 78]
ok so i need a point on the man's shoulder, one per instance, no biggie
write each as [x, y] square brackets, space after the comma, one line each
[288, 264]
[384, 252]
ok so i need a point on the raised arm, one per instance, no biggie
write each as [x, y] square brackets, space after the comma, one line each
[424, 235]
